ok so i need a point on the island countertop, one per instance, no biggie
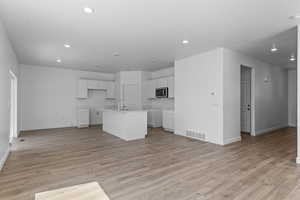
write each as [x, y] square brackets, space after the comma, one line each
[123, 111]
[125, 124]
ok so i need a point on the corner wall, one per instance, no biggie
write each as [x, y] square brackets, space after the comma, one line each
[207, 95]
[292, 97]
[49, 96]
[298, 97]
[8, 61]
[271, 102]
[198, 95]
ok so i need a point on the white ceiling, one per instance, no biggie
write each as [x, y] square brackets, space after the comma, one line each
[146, 33]
[285, 42]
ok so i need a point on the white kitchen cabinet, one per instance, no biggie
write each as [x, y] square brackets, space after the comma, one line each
[110, 90]
[83, 117]
[150, 87]
[101, 85]
[131, 96]
[92, 84]
[154, 118]
[171, 86]
[82, 89]
[162, 82]
[168, 120]
[96, 85]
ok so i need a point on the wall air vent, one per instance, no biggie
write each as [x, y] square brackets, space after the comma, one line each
[195, 135]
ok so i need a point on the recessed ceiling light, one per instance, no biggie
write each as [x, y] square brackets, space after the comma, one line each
[58, 60]
[292, 58]
[67, 45]
[88, 10]
[185, 41]
[274, 48]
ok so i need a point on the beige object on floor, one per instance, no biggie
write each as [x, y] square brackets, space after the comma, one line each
[89, 191]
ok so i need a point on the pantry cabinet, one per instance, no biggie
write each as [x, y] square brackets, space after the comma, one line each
[171, 86]
[82, 89]
[150, 87]
[110, 90]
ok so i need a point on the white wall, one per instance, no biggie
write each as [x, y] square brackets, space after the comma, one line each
[271, 102]
[292, 97]
[48, 96]
[298, 95]
[198, 95]
[218, 72]
[8, 61]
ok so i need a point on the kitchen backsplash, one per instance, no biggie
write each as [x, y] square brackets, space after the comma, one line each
[163, 104]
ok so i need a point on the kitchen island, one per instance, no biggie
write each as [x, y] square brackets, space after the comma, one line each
[127, 125]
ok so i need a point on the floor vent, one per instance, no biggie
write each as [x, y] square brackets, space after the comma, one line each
[195, 134]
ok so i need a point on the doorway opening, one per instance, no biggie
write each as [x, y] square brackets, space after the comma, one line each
[13, 107]
[247, 101]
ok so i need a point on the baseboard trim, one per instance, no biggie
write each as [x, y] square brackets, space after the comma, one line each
[298, 160]
[4, 158]
[292, 125]
[267, 130]
[169, 130]
[231, 140]
[44, 129]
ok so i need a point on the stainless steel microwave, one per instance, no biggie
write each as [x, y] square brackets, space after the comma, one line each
[161, 92]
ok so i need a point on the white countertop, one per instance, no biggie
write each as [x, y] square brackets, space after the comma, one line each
[123, 111]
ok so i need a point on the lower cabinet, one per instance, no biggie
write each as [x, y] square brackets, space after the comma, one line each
[83, 117]
[154, 118]
[168, 120]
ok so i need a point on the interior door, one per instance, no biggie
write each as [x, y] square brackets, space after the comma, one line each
[13, 106]
[246, 99]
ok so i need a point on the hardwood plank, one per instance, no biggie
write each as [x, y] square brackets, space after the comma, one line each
[163, 166]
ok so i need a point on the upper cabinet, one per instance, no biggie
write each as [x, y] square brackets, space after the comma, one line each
[152, 85]
[162, 82]
[82, 89]
[171, 86]
[85, 85]
[110, 89]
[96, 85]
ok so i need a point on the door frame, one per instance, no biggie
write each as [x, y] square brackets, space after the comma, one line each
[252, 70]
[13, 106]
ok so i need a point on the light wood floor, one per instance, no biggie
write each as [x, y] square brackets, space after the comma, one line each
[162, 167]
